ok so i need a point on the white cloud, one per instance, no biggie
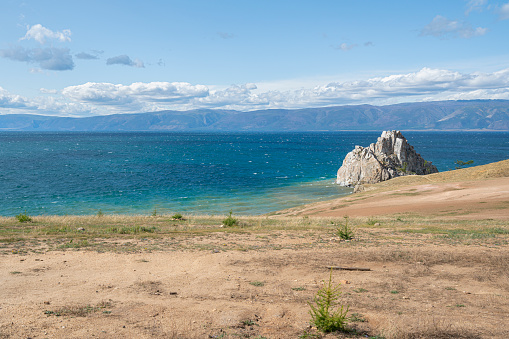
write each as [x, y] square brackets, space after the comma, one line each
[13, 103]
[233, 95]
[345, 47]
[125, 60]
[107, 98]
[48, 91]
[98, 94]
[86, 56]
[8, 100]
[137, 96]
[442, 27]
[40, 34]
[475, 5]
[166, 91]
[504, 11]
[49, 58]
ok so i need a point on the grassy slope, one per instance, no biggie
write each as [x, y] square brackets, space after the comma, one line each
[489, 174]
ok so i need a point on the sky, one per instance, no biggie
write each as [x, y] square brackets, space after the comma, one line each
[88, 58]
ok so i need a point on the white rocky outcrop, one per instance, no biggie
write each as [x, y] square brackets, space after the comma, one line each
[391, 156]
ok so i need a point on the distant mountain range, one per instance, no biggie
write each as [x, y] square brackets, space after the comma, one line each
[437, 115]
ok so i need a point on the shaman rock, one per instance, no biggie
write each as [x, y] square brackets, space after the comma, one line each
[391, 156]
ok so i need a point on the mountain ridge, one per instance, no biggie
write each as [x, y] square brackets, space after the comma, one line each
[490, 115]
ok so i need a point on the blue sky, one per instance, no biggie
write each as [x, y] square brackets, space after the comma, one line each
[85, 58]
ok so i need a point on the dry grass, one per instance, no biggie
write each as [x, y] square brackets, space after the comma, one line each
[429, 278]
[490, 171]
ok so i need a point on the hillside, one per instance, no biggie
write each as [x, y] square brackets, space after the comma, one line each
[479, 192]
[439, 115]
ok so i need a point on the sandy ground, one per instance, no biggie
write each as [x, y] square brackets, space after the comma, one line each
[417, 285]
[459, 200]
[420, 285]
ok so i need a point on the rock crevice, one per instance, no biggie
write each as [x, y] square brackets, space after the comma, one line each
[391, 156]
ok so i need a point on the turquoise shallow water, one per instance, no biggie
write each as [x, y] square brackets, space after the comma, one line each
[249, 173]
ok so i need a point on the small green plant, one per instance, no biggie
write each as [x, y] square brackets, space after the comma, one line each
[230, 221]
[257, 283]
[249, 322]
[308, 335]
[357, 317]
[154, 212]
[403, 168]
[300, 288]
[132, 230]
[372, 222]
[24, 217]
[177, 216]
[100, 213]
[460, 164]
[360, 290]
[79, 311]
[323, 315]
[344, 231]
[394, 292]
[77, 244]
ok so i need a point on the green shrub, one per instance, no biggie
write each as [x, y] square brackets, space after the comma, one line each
[460, 164]
[372, 221]
[23, 217]
[230, 221]
[133, 230]
[177, 216]
[323, 315]
[100, 213]
[344, 231]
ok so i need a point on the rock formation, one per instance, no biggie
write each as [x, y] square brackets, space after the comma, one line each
[392, 156]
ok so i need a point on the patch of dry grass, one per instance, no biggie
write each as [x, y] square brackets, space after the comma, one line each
[490, 171]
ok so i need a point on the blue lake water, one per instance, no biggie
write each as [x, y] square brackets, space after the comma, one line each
[249, 173]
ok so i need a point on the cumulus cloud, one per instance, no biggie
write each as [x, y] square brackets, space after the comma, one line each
[233, 95]
[504, 12]
[13, 103]
[107, 98]
[135, 96]
[125, 60]
[41, 34]
[8, 100]
[49, 58]
[442, 27]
